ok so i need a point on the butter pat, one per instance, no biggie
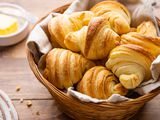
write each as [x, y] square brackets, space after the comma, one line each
[8, 24]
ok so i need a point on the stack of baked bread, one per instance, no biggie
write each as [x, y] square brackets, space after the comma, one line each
[82, 40]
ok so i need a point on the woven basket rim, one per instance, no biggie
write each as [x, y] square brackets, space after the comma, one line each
[51, 88]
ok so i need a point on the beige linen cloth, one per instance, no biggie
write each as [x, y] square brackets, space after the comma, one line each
[38, 41]
[7, 110]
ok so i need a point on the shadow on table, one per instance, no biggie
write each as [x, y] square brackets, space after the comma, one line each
[136, 117]
[63, 117]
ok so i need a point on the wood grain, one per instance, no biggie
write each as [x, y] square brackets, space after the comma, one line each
[17, 72]
[47, 110]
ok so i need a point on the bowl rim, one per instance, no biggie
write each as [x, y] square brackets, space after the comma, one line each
[24, 26]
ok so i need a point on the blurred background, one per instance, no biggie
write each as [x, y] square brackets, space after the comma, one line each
[38, 8]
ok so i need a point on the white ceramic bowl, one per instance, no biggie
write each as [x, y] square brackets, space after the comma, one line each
[11, 39]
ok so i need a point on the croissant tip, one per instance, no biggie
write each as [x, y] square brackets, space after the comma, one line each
[129, 81]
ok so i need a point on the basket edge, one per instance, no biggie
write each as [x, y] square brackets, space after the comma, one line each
[34, 68]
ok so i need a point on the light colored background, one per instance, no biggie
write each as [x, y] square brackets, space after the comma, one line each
[38, 8]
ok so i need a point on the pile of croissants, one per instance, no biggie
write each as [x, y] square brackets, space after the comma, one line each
[99, 53]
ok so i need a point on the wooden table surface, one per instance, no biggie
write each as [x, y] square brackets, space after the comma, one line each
[15, 71]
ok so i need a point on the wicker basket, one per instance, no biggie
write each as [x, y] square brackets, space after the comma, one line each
[79, 110]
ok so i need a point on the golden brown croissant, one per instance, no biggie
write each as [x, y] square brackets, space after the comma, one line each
[61, 25]
[147, 28]
[132, 59]
[100, 83]
[145, 37]
[148, 43]
[94, 41]
[116, 13]
[131, 64]
[65, 68]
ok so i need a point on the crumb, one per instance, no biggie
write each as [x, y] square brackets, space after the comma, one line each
[37, 113]
[29, 103]
[18, 88]
[21, 100]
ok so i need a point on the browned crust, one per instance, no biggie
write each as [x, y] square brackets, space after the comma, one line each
[155, 40]
[58, 29]
[112, 2]
[92, 28]
[53, 71]
[140, 50]
[56, 79]
[104, 87]
[67, 67]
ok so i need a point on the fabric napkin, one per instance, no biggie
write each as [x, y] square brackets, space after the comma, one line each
[7, 110]
[39, 44]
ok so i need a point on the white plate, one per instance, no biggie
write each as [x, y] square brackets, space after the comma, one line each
[11, 39]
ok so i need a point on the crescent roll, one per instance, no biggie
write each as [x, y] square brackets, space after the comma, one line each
[147, 28]
[95, 40]
[61, 25]
[65, 68]
[131, 61]
[145, 37]
[131, 64]
[100, 83]
[117, 14]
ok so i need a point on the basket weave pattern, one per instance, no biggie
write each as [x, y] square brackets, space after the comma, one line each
[79, 110]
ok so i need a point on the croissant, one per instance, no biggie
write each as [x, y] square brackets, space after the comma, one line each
[65, 68]
[95, 40]
[145, 37]
[117, 14]
[100, 83]
[61, 25]
[131, 64]
[148, 43]
[147, 28]
[131, 61]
